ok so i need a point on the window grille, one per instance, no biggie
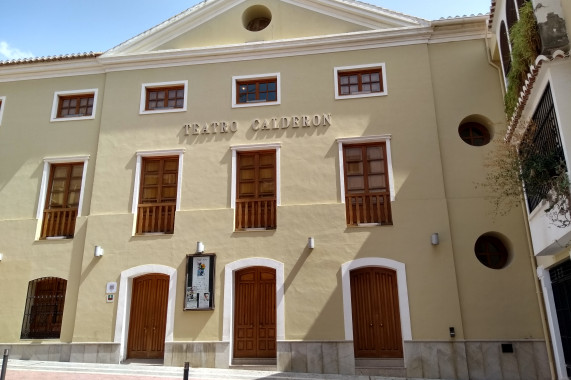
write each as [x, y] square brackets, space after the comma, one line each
[44, 308]
[546, 140]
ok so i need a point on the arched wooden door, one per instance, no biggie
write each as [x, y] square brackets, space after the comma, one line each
[255, 313]
[147, 323]
[376, 317]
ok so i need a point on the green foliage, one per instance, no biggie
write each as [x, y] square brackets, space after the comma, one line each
[516, 163]
[525, 42]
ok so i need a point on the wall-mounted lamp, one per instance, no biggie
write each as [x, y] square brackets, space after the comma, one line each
[434, 238]
[310, 243]
[452, 332]
[199, 247]
[98, 251]
[1, 256]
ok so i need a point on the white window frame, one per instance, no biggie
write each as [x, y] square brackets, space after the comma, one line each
[55, 104]
[362, 140]
[253, 147]
[145, 86]
[341, 69]
[236, 79]
[48, 162]
[2, 106]
[137, 183]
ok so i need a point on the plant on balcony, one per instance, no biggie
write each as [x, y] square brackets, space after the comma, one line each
[525, 43]
[516, 165]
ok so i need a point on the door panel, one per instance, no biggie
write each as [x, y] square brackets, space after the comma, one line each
[376, 317]
[147, 323]
[255, 313]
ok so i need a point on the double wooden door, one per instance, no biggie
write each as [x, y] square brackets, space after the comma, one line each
[255, 313]
[376, 317]
[147, 323]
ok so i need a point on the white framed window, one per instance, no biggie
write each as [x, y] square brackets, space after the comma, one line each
[256, 90]
[2, 106]
[74, 105]
[164, 97]
[61, 201]
[360, 81]
[255, 189]
[366, 179]
[156, 200]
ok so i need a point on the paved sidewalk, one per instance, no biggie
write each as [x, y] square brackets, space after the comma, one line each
[34, 370]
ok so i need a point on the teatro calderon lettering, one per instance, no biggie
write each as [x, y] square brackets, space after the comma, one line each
[284, 122]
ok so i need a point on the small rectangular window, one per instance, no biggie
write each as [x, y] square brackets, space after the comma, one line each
[360, 81]
[74, 105]
[163, 97]
[256, 90]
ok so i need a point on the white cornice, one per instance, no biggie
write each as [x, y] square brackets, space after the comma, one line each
[269, 49]
[56, 69]
[442, 31]
[351, 11]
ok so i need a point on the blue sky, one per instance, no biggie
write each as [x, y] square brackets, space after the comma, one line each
[37, 28]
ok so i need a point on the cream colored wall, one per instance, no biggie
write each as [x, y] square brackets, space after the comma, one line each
[27, 137]
[428, 94]
[464, 85]
[288, 21]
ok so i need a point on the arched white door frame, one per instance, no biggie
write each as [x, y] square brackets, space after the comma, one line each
[228, 320]
[124, 302]
[402, 290]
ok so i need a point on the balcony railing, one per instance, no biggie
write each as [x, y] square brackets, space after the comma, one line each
[256, 214]
[155, 218]
[59, 222]
[368, 208]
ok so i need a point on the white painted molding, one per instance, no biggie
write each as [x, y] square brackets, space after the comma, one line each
[341, 69]
[124, 302]
[402, 290]
[386, 138]
[251, 147]
[236, 79]
[138, 166]
[46, 176]
[55, 104]
[143, 102]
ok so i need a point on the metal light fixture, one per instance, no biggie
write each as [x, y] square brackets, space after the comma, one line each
[1, 256]
[98, 251]
[199, 247]
[310, 243]
[435, 239]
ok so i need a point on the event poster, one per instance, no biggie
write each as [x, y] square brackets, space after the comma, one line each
[199, 282]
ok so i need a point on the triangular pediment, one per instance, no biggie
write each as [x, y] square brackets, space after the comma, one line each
[215, 23]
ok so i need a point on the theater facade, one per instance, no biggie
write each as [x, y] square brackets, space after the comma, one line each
[287, 184]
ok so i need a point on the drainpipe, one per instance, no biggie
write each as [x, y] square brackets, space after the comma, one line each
[490, 62]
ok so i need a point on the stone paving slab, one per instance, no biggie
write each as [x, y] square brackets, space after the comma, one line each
[44, 370]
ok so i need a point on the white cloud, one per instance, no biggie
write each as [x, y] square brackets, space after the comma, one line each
[7, 52]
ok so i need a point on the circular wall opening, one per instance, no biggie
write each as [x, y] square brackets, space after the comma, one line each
[256, 18]
[491, 251]
[474, 130]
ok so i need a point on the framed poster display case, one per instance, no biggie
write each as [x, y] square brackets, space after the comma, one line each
[199, 283]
